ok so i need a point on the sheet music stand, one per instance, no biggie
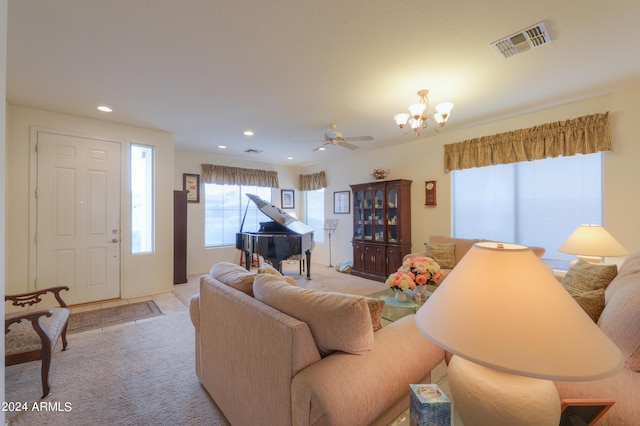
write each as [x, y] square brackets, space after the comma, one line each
[330, 225]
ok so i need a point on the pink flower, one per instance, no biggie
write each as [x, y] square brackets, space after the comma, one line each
[421, 280]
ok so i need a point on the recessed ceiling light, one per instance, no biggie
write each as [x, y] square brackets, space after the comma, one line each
[322, 148]
[248, 133]
[104, 108]
[222, 146]
[289, 158]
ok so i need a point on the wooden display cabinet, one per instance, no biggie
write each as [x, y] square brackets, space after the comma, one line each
[381, 227]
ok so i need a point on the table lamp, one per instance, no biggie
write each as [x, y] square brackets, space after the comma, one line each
[512, 328]
[591, 243]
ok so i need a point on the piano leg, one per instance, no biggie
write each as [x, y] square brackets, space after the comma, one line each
[247, 259]
[308, 255]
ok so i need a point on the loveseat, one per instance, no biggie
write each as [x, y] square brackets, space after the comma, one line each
[449, 251]
[272, 353]
[620, 321]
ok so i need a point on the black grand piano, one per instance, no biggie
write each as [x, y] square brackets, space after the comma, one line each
[277, 240]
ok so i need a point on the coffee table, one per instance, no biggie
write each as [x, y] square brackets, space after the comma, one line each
[393, 309]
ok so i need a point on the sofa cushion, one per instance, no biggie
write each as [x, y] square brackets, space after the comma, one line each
[338, 322]
[463, 245]
[592, 302]
[234, 276]
[585, 276]
[620, 319]
[443, 254]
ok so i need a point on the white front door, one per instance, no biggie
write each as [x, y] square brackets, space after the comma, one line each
[78, 216]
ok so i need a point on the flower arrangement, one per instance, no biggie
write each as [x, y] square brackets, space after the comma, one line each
[401, 281]
[380, 173]
[421, 270]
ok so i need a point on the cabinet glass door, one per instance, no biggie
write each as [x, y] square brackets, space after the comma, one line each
[378, 216]
[392, 215]
[358, 215]
[368, 213]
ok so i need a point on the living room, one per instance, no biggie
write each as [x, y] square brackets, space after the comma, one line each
[418, 159]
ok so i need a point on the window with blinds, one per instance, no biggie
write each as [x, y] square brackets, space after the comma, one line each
[534, 203]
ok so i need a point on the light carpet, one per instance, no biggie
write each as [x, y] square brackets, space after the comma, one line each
[140, 374]
[143, 373]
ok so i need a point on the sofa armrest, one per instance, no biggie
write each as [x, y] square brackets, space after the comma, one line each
[416, 254]
[375, 383]
[194, 311]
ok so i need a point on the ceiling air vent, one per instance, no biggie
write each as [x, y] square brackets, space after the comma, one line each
[522, 41]
[253, 151]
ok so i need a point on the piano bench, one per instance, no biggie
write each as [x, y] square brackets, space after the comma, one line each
[295, 258]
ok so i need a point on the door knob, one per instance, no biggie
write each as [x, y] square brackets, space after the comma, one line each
[115, 241]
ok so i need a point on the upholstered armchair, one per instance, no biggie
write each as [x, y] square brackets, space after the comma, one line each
[31, 335]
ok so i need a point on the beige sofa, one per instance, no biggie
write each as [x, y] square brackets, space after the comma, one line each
[263, 366]
[620, 321]
[448, 251]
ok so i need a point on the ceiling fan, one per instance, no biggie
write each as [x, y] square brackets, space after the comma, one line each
[334, 137]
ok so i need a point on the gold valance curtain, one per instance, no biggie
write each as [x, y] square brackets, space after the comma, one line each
[582, 135]
[313, 181]
[225, 175]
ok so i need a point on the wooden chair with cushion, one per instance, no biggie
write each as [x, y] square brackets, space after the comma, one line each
[31, 335]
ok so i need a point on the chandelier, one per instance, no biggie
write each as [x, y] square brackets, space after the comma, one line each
[418, 115]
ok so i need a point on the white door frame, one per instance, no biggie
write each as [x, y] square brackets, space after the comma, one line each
[33, 180]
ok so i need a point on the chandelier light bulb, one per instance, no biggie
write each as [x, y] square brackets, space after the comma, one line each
[401, 119]
[417, 110]
[419, 114]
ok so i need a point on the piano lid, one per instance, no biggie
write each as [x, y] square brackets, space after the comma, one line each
[280, 216]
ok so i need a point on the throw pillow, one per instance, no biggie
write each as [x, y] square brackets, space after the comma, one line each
[338, 322]
[269, 269]
[375, 310]
[234, 276]
[592, 302]
[585, 276]
[443, 254]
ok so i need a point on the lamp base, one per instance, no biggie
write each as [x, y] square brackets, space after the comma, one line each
[484, 396]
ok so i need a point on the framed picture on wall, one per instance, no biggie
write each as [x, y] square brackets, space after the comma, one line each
[191, 183]
[288, 202]
[342, 202]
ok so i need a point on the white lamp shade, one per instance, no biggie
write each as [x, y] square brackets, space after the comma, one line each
[592, 240]
[401, 119]
[503, 309]
[440, 119]
[444, 108]
[416, 110]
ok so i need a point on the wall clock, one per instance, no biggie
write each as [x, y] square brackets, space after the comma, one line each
[430, 193]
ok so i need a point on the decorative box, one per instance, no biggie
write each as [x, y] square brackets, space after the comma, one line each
[429, 406]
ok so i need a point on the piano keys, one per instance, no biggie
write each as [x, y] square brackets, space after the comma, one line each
[276, 240]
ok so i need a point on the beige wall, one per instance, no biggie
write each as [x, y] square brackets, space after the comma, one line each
[421, 159]
[140, 274]
[418, 159]
[200, 258]
[3, 79]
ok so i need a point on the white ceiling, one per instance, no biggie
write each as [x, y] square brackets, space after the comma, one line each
[206, 70]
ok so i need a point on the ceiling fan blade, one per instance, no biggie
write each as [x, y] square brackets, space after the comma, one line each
[347, 145]
[359, 138]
